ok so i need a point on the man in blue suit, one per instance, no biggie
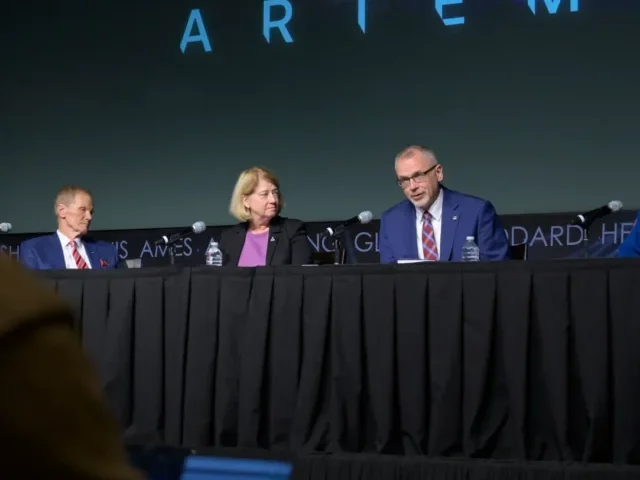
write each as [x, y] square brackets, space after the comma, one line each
[433, 222]
[630, 246]
[68, 248]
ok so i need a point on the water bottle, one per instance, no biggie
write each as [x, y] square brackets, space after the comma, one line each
[213, 255]
[470, 251]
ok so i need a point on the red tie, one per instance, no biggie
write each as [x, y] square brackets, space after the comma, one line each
[429, 247]
[80, 263]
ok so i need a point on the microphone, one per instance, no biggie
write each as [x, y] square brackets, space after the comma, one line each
[5, 227]
[586, 219]
[197, 227]
[363, 217]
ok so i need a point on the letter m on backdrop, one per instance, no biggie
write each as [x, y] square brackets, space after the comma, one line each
[553, 5]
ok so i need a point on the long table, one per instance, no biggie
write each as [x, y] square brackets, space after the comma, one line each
[514, 360]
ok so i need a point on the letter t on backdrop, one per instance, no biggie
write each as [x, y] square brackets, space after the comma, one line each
[268, 24]
[449, 21]
[362, 15]
[200, 37]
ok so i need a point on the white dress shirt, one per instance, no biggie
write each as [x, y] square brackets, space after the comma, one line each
[67, 250]
[436, 221]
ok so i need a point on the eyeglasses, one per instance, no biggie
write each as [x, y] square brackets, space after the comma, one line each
[417, 177]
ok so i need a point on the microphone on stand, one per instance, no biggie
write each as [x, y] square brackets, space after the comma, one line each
[337, 231]
[197, 227]
[5, 227]
[585, 220]
[363, 217]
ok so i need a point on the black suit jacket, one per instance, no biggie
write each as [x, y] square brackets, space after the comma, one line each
[288, 243]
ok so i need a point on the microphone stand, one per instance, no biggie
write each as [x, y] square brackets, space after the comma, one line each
[585, 240]
[172, 255]
[170, 242]
[338, 248]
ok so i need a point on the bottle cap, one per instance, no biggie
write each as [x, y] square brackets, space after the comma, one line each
[470, 238]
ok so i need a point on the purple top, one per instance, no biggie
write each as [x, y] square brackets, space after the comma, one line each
[254, 251]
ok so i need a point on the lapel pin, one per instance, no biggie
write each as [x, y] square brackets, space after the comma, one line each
[455, 218]
[273, 239]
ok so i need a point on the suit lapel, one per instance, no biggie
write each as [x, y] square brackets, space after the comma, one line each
[274, 236]
[93, 254]
[411, 239]
[54, 253]
[234, 248]
[450, 220]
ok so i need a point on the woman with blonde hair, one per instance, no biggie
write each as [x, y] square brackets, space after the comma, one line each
[262, 237]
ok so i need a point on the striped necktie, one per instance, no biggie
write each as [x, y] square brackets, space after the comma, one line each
[80, 263]
[429, 247]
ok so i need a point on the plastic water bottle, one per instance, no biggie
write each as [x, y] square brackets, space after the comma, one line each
[213, 255]
[470, 251]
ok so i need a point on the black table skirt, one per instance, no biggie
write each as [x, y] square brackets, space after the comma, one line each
[518, 360]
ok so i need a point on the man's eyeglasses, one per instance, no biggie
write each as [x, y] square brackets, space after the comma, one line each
[417, 177]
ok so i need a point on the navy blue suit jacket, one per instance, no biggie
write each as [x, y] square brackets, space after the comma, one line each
[45, 253]
[630, 247]
[462, 216]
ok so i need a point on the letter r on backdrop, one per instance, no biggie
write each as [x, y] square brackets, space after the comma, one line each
[268, 24]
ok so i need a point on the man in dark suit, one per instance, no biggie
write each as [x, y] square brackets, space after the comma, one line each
[69, 247]
[53, 420]
[434, 222]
